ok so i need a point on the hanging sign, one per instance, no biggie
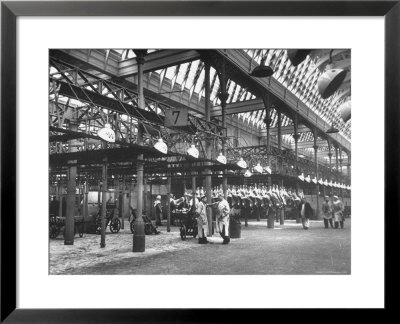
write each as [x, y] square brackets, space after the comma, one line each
[176, 117]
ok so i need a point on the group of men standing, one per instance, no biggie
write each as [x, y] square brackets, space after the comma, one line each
[333, 212]
[222, 223]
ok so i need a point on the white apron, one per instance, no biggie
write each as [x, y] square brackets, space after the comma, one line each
[202, 222]
[223, 217]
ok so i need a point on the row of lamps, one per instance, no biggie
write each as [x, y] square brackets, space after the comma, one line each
[324, 183]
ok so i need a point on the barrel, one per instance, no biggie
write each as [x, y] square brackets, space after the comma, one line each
[235, 229]
[271, 219]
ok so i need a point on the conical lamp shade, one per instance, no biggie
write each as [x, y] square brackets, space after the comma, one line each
[106, 133]
[242, 163]
[297, 56]
[262, 71]
[258, 168]
[193, 151]
[345, 111]
[161, 146]
[330, 81]
[332, 130]
[221, 158]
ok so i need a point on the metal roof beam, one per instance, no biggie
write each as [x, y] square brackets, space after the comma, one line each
[239, 60]
[239, 107]
[285, 130]
[157, 60]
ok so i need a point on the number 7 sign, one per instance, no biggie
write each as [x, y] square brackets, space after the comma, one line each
[176, 117]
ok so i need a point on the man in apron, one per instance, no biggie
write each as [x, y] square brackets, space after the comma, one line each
[338, 209]
[223, 218]
[306, 213]
[202, 223]
[327, 211]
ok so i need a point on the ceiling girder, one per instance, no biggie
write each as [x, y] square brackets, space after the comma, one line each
[240, 61]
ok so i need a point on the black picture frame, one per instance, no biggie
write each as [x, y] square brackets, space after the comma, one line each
[11, 10]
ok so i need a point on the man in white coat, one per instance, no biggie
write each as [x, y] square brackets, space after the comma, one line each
[202, 223]
[223, 218]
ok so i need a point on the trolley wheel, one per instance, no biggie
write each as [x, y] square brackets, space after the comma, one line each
[115, 225]
[147, 229]
[54, 231]
[195, 232]
[80, 229]
[183, 232]
[132, 226]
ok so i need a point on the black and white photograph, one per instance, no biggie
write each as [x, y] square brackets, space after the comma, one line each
[199, 161]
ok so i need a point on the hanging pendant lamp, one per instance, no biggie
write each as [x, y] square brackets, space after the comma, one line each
[326, 183]
[161, 146]
[332, 130]
[107, 134]
[301, 177]
[268, 170]
[242, 163]
[193, 151]
[315, 180]
[297, 56]
[308, 179]
[221, 158]
[345, 111]
[262, 71]
[321, 182]
[247, 174]
[258, 168]
[330, 80]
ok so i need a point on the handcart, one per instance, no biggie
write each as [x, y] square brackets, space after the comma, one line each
[149, 228]
[188, 224]
[115, 223]
[56, 223]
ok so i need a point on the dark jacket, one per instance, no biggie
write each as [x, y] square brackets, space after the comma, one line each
[308, 211]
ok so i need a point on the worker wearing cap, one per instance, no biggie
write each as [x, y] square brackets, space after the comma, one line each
[327, 211]
[338, 209]
[157, 205]
[306, 213]
[223, 218]
[202, 223]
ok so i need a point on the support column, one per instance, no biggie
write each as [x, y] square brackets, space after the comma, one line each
[279, 130]
[267, 121]
[122, 203]
[208, 179]
[341, 170]
[71, 192]
[85, 201]
[151, 200]
[60, 199]
[169, 179]
[279, 141]
[139, 238]
[349, 165]
[330, 165]
[103, 204]
[130, 199]
[337, 164]
[223, 96]
[317, 213]
[193, 190]
[296, 137]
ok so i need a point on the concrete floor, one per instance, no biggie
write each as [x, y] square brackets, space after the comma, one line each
[286, 249]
